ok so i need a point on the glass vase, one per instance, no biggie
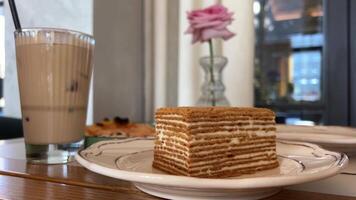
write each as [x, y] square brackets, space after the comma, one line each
[213, 88]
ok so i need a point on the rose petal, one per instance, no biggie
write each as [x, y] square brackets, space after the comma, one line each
[222, 25]
[208, 23]
[228, 35]
[198, 19]
[189, 30]
[213, 33]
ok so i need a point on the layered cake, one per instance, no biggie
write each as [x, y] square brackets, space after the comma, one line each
[214, 142]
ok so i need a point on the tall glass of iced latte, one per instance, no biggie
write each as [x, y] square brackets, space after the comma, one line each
[54, 67]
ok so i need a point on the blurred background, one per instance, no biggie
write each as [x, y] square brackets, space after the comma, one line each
[297, 57]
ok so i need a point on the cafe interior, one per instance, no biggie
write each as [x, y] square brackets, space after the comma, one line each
[296, 58]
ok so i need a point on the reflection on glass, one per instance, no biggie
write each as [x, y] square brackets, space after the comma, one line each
[288, 58]
[306, 76]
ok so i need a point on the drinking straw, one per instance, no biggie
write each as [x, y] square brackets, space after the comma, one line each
[15, 16]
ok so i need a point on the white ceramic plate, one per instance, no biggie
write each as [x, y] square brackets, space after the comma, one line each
[335, 138]
[131, 160]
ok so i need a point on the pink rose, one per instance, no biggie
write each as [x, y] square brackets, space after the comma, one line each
[209, 23]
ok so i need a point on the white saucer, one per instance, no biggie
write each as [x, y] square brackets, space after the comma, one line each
[335, 138]
[131, 160]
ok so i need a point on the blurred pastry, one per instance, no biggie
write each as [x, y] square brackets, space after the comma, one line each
[119, 127]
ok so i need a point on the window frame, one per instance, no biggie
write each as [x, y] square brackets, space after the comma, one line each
[352, 67]
[336, 62]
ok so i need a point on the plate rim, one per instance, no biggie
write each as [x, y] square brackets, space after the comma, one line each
[215, 183]
[287, 136]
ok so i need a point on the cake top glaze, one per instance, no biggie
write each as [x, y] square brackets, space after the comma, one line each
[188, 112]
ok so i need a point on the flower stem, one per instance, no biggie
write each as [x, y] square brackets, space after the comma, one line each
[211, 50]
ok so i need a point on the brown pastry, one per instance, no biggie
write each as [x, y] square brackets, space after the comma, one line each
[119, 127]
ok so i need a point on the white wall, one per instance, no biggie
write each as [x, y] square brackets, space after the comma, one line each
[119, 59]
[76, 15]
[238, 75]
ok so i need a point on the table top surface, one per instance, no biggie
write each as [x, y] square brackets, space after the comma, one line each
[20, 180]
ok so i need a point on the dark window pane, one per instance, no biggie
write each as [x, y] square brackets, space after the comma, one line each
[288, 58]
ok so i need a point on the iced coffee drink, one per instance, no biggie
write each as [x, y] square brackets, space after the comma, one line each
[54, 67]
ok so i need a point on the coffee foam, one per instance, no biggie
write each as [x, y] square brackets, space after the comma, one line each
[51, 36]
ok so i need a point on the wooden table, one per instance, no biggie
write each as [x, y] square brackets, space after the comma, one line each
[19, 180]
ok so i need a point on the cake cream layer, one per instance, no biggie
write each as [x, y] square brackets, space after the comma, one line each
[214, 122]
[215, 144]
[248, 125]
[217, 129]
[192, 125]
[213, 133]
[184, 138]
[236, 170]
[221, 174]
[213, 168]
[226, 152]
[221, 150]
[215, 152]
[208, 152]
[218, 137]
[215, 163]
[268, 154]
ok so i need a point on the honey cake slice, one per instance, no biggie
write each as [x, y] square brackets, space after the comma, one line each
[214, 142]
